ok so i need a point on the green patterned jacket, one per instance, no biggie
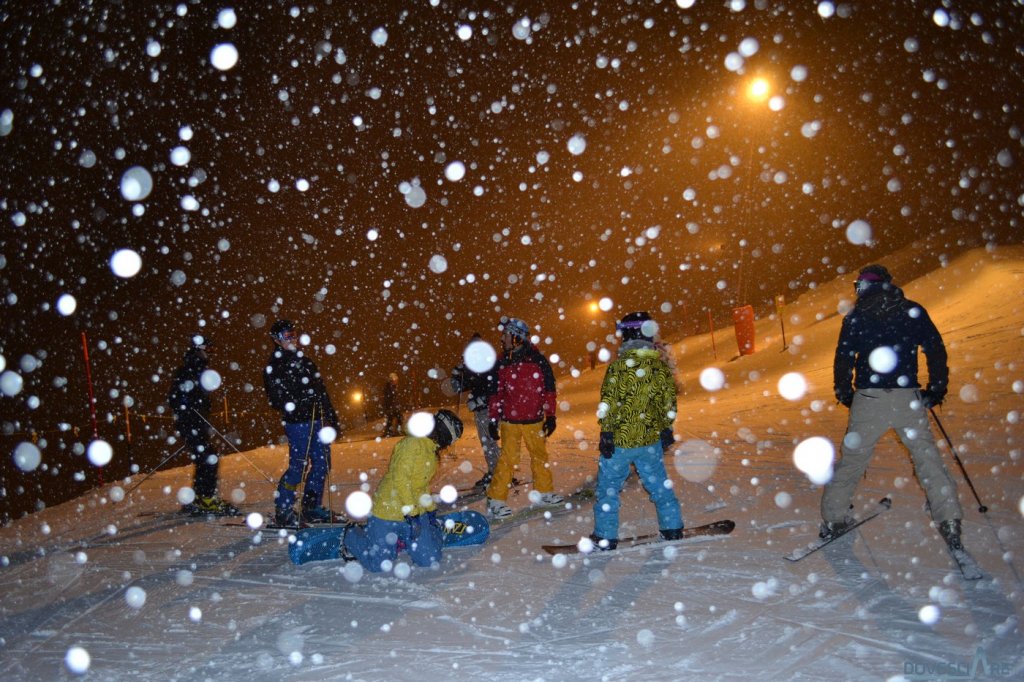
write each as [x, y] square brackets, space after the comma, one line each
[638, 396]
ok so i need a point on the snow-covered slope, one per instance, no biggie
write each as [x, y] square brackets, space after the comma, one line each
[126, 589]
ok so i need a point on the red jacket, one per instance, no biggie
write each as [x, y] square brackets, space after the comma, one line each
[526, 387]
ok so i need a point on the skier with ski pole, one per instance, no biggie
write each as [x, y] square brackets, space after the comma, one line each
[190, 401]
[875, 376]
[296, 390]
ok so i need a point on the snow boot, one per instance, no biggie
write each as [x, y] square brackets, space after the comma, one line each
[672, 533]
[551, 498]
[833, 529]
[950, 532]
[317, 515]
[498, 509]
[286, 517]
[603, 544]
[214, 506]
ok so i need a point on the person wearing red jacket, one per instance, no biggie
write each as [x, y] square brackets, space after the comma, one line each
[522, 410]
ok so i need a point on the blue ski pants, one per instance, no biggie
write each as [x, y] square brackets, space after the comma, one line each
[304, 444]
[612, 473]
[380, 541]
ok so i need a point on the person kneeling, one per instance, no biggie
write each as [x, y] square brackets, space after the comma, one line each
[404, 515]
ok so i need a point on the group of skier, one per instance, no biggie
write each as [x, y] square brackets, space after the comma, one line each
[514, 404]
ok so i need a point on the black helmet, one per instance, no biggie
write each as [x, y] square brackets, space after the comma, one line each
[447, 428]
[280, 327]
[637, 326]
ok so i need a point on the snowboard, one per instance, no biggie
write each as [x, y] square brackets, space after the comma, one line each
[461, 528]
[798, 554]
[723, 527]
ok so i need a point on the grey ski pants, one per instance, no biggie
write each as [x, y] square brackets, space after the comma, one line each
[875, 411]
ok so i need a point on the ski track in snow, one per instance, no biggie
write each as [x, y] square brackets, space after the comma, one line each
[709, 608]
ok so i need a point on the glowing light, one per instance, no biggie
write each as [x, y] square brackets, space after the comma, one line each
[759, 89]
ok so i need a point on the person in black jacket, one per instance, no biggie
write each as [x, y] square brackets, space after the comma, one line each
[875, 376]
[190, 403]
[479, 387]
[296, 390]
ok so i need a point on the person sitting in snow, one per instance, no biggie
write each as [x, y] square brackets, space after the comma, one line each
[636, 412]
[404, 514]
[875, 376]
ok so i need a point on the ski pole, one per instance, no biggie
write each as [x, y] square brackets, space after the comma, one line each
[154, 470]
[225, 439]
[981, 507]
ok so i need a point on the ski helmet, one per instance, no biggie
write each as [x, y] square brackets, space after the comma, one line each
[447, 428]
[637, 325]
[516, 328]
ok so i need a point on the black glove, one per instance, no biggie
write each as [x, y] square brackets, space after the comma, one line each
[607, 445]
[492, 430]
[844, 396]
[549, 426]
[667, 439]
[931, 398]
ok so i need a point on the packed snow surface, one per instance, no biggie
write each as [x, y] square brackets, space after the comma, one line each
[116, 585]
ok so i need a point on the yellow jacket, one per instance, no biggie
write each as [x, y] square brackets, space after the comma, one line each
[405, 488]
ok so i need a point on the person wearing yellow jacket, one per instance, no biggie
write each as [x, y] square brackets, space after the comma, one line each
[636, 412]
[404, 515]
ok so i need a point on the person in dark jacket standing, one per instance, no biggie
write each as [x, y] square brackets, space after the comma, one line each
[190, 403]
[875, 376]
[296, 390]
[523, 409]
[392, 407]
[479, 387]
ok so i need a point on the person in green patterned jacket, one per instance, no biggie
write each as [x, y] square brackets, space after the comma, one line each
[637, 408]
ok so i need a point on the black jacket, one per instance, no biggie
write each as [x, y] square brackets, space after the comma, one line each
[295, 389]
[187, 396]
[480, 386]
[884, 318]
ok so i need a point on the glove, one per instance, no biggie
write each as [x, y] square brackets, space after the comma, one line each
[492, 430]
[931, 398]
[667, 439]
[844, 396]
[549, 426]
[607, 445]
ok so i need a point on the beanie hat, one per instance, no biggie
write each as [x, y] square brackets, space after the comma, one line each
[280, 327]
[637, 325]
[874, 273]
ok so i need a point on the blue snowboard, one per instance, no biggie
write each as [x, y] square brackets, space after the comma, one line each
[461, 528]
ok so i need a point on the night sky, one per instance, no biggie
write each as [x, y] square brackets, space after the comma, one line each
[610, 149]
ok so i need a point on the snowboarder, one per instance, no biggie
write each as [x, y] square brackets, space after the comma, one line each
[404, 514]
[523, 408]
[480, 386]
[190, 403]
[392, 407]
[875, 376]
[636, 412]
[296, 390]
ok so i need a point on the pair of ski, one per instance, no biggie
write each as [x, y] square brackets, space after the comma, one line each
[965, 562]
[723, 527]
[336, 520]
